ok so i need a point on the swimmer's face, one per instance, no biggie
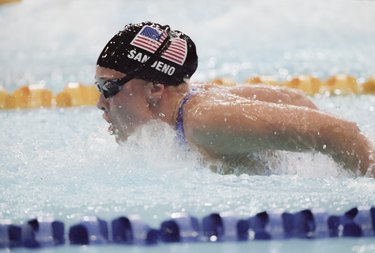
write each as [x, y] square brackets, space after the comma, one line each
[127, 109]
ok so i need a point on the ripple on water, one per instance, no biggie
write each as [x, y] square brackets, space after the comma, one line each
[65, 164]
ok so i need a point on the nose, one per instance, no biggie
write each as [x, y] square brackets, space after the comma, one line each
[103, 103]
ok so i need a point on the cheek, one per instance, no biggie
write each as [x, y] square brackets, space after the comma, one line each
[121, 112]
[129, 110]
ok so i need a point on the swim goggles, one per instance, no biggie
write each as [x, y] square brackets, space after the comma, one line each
[109, 88]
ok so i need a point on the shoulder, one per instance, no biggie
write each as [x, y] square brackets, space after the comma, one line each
[213, 108]
[200, 107]
[204, 98]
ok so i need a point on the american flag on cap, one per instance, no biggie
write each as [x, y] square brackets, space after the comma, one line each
[149, 38]
[176, 52]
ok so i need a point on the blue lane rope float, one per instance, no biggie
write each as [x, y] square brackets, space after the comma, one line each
[42, 233]
[132, 230]
[184, 228]
[91, 230]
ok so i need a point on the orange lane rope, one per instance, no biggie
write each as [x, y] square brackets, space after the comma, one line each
[76, 94]
[9, 1]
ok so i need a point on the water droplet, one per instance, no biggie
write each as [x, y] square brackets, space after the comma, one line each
[213, 238]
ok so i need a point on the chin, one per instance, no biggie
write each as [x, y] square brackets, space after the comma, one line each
[120, 139]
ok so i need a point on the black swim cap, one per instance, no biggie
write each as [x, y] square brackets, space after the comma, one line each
[153, 52]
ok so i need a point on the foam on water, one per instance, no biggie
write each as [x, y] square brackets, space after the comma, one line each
[64, 163]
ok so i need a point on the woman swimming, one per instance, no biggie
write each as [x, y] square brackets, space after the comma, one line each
[143, 72]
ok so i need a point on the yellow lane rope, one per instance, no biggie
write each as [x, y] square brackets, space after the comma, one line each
[76, 94]
[9, 1]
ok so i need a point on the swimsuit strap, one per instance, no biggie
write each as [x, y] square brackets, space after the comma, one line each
[180, 118]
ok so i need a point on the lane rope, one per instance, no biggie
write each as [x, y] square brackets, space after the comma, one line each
[184, 228]
[76, 94]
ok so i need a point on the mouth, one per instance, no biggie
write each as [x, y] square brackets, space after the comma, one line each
[114, 132]
[111, 129]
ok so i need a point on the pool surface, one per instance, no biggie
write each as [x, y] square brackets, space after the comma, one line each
[63, 163]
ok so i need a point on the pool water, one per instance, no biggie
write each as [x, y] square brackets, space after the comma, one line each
[63, 162]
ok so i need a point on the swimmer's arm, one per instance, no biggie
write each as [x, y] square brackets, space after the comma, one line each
[278, 95]
[230, 129]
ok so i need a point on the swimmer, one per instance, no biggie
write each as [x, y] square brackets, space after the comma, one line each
[143, 74]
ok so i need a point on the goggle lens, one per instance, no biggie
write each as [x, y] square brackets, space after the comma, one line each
[109, 88]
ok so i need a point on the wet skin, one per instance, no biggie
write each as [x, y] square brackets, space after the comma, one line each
[227, 123]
